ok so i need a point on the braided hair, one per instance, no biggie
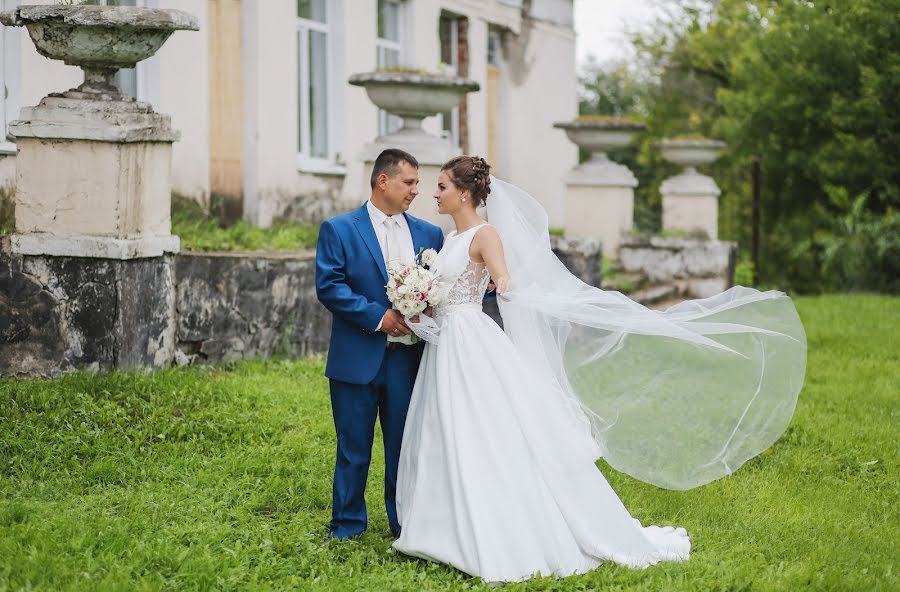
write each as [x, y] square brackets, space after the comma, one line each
[472, 174]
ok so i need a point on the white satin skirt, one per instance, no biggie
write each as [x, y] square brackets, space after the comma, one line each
[497, 472]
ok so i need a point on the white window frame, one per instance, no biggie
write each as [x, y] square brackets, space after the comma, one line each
[388, 123]
[10, 79]
[453, 134]
[306, 163]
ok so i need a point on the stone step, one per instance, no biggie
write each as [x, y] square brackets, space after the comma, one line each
[664, 304]
[625, 281]
[654, 294]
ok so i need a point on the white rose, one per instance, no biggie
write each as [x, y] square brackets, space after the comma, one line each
[406, 308]
[428, 256]
[436, 294]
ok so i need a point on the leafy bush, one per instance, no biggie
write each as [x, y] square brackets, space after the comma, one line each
[743, 273]
[859, 250]
[7, 210]
[201, 232]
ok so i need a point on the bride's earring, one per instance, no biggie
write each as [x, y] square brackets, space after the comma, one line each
[462, 199]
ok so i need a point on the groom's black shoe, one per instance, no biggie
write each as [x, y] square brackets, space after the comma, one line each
[395, 534]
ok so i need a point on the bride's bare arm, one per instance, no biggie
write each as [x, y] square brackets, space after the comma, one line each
[487, 248]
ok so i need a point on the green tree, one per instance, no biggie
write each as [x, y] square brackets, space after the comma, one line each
[810, 87]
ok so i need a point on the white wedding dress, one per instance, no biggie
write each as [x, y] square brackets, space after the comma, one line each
[497, 475]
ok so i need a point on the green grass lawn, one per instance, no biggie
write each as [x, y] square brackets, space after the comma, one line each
[197, 479]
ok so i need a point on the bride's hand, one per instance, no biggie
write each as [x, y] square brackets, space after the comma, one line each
[502, 285]
[428, 312]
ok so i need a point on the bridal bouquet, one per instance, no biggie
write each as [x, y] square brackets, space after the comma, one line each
[413, 287]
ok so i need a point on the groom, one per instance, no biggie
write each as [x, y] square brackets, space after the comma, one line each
[371, 369]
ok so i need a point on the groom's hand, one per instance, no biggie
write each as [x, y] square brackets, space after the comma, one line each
[393, 324]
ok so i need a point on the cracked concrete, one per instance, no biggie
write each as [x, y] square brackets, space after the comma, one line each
[237, 306]
[63, 313]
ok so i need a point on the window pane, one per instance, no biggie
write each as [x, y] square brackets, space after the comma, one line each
[313, 10]
[389, 20]
[447, 125]
[4, 90]
[447, 34]
[387, 123]
[126, 78]
[495, 48]
[301, 88]
[318, 94]
[388, 57]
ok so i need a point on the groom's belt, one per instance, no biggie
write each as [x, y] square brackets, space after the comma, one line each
[391, 345]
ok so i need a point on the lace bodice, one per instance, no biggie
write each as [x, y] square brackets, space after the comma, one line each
[464, 280]
[469, 286]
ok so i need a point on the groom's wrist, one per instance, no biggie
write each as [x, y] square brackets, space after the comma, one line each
[381, 321]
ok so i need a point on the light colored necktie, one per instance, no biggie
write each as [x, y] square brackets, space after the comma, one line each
[393, 244]
[394, 248]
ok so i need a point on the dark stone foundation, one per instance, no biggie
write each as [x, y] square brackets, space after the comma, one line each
[61, 313]
[64, 313]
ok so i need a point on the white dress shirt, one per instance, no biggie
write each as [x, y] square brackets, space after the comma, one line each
[406, 245]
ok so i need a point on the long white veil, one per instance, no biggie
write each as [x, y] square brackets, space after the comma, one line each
[676, 398]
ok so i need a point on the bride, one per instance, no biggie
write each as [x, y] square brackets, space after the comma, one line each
[497, 471]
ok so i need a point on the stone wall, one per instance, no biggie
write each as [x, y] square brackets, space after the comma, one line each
[582, 256]
[664, 269]
[63, 313]
[233, 306]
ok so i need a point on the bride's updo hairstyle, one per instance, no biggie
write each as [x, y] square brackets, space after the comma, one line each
[472, 174]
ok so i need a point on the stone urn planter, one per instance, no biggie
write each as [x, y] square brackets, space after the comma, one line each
[600, 192]
[98, 39]
[413, 96]
[110, 192]
[689, 152]
[690, 199]
[598, 135]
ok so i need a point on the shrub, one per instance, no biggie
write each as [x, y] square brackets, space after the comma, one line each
[7, 210]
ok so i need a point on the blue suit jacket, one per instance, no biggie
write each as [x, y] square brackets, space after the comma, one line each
[350, 282]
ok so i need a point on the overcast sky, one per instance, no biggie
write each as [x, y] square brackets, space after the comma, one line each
[601, 25]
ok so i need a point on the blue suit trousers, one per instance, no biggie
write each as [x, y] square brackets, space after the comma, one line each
[355, 408]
